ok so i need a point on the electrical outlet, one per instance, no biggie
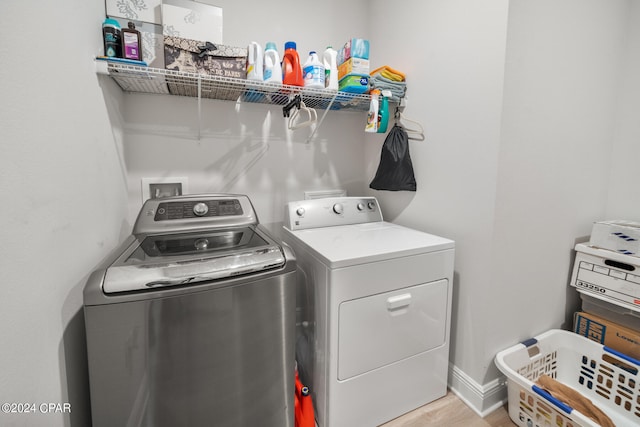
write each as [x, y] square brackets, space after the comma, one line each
[155, 188]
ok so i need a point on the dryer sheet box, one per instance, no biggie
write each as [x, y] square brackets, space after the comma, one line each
[603, 331]
[618, 236]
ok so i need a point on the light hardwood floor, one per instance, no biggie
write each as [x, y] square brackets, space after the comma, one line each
[450, 411]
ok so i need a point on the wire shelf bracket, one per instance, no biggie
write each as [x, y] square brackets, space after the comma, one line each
[140, 79]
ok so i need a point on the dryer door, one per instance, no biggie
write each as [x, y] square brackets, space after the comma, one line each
[379, 330]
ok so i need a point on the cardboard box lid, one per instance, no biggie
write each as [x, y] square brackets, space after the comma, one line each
[205, 48]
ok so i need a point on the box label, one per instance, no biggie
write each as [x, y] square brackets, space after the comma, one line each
[591, 329]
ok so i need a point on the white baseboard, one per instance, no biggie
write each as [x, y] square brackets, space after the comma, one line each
[482, 398]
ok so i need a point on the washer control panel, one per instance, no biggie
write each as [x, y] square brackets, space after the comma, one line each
[331, 212]
[194, 212]
[175, 210]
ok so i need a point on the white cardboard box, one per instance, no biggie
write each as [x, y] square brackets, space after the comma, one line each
[192, 20]
[136, 10]
[607, 275]
[618, 236]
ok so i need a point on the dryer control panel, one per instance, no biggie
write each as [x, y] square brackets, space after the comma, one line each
[331, 212]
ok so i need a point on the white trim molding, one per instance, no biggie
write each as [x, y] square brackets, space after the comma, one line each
[482, 398]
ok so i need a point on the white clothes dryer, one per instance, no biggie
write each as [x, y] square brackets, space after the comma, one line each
[374, 310]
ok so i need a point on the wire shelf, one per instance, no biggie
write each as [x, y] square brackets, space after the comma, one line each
[133, 78]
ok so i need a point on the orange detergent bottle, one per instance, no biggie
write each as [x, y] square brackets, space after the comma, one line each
[291, 69]
[303, 406]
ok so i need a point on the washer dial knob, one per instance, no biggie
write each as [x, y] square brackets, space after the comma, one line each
[371, 205]
[360, 206]
[300, 211]
[200, 209]
[338, 208]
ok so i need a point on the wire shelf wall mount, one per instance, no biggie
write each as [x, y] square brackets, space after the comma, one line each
[141, 79]
[134, 78]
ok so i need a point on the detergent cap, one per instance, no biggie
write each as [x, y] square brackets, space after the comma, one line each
[111, 22]
[290, 45]
[270, 45]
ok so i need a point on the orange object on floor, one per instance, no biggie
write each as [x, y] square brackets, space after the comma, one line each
[303, 406]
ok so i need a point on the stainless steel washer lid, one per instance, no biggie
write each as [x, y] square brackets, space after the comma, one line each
[181, 259]
[189, 239]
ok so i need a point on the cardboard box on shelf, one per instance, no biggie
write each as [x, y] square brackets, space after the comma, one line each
[613, 335]
[354, 83]
[192, 20]
[354, 48]
[193, 43]
[353, 66]
[193, 56]
[142, 10]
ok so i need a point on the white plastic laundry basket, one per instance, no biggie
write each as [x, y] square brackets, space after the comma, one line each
[606, 377]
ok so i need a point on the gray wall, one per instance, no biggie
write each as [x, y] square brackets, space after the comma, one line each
[530, 111]
[64, 204]
[247, 148]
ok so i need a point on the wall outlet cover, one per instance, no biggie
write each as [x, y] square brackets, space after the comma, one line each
[153, 188]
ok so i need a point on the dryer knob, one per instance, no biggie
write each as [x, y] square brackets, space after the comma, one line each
[371, 205]
[200, 209]
[360, 206]
[338, 208]
[300, 211]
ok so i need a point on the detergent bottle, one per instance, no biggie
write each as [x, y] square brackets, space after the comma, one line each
[291, 69]
[111, 36]
[374, 111]
[254, 62]
[383, 111]
[272, 67]
[330, 68]
[313, 72]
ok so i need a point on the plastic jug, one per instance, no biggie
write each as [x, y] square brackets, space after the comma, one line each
[313, 72]
[303, 405]
[330, 59]
[254, 62]
[291, 69]
[272, 67]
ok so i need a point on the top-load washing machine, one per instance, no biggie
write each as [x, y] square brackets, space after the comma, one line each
[191, 322]
[374, 303]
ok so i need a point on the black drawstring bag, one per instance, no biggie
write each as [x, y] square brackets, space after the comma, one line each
[395, 171]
